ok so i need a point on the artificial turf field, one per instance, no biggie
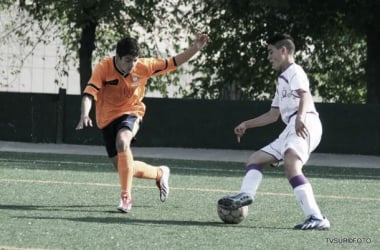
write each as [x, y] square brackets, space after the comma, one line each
[52, 201]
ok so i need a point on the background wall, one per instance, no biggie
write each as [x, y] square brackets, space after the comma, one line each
[50, 118]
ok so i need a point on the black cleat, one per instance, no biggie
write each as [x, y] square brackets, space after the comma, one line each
[232, 202]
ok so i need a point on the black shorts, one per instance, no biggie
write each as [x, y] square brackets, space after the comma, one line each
[110, 132]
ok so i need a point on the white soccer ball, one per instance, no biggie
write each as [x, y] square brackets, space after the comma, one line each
[232, 216]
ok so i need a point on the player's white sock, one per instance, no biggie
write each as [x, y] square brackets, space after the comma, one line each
[251, 180]
[305, 197]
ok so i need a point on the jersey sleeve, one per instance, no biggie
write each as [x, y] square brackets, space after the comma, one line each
[299, 81]
[162, 66]
[95, 83]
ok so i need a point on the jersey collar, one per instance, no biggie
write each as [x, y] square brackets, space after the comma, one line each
[124, 74]
[287, 67]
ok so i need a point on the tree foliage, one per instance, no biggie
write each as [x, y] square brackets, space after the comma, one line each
[89, 29]
[329, 48]
[336, 41]
[84, 23]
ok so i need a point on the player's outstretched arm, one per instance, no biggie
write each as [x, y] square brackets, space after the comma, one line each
[240, 130]
[199, 43]
[267, 118]
[85, 119]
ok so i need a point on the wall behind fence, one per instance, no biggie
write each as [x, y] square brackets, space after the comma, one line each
[47, 118]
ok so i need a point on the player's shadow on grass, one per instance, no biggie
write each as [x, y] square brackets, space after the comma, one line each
[122, 219]
[132, 221]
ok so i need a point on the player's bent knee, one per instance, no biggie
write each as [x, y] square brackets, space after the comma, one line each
[261, 158]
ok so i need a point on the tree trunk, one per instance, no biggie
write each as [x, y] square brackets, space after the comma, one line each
[373, 63]
[87, 46]
[231, 91]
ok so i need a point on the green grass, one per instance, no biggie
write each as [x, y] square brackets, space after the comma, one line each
[69, 202]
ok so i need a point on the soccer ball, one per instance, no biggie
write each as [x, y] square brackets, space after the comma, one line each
[232, 216]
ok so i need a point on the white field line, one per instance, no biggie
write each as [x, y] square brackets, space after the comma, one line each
[336, 197]
[241, 170]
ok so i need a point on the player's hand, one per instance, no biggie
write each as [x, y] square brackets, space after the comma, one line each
[301, 129]
[201, 40]
[85, 121]
[240, 130]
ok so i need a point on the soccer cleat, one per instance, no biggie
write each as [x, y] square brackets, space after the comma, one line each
[125, 204]
[314, 223]
[232, 202]
[163, 183]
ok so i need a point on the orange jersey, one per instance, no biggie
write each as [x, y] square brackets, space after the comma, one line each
[116, 94]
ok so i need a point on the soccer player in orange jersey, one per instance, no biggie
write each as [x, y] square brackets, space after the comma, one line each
[117, 85]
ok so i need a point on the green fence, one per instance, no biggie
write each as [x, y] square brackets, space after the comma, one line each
[348, 129]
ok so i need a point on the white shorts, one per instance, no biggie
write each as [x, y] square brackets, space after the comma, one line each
[289, 139]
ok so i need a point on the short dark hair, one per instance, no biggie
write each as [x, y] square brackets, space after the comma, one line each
[127, 46]
[278, 40]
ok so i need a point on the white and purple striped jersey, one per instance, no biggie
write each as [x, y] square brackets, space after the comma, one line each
[286, 97]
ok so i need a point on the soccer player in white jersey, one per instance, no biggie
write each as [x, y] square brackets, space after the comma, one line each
[302, 134]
